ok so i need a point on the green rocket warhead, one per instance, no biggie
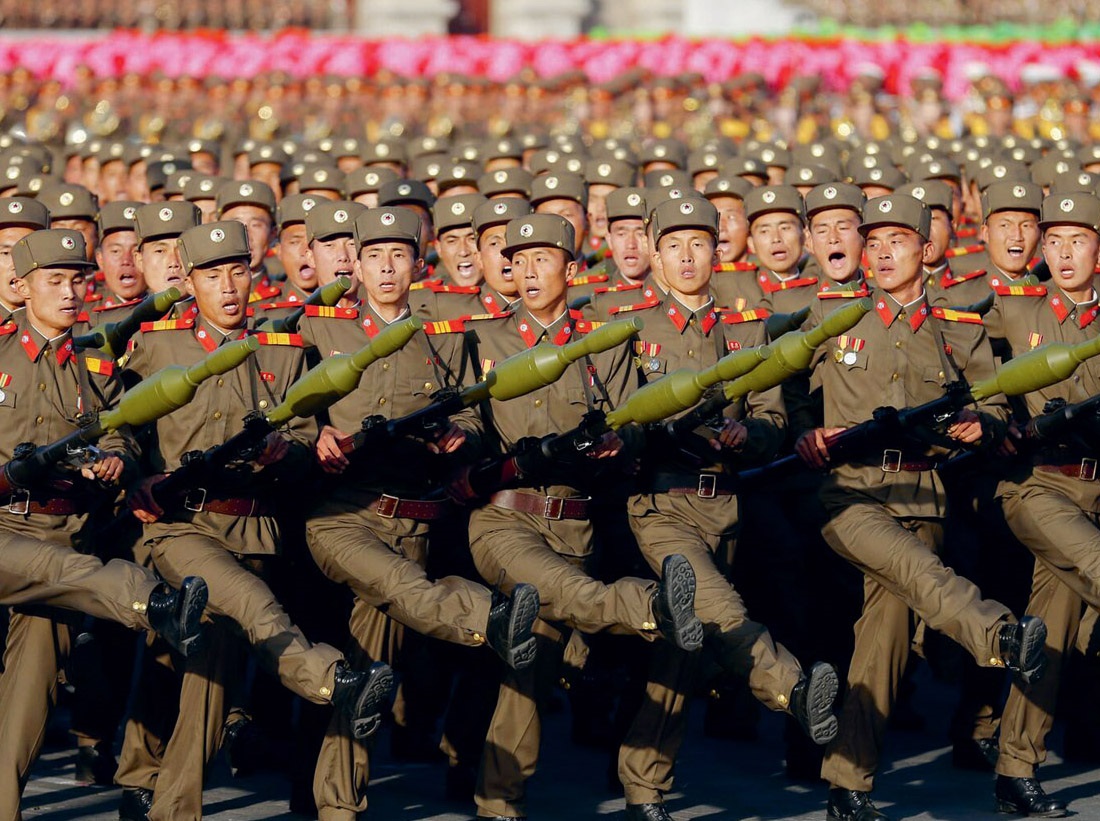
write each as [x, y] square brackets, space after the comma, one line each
[327, 295]
[173, 387]
[339, 375]
[111, 339]
[793, 352]
[544, 364]
[683, 388]
[1037, 369]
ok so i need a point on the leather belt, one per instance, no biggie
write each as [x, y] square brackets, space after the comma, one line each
[391, 507]
[549, 507]
[20, 503]
[703, 485]
[897, 461]
[1083, 469]
[197, 502]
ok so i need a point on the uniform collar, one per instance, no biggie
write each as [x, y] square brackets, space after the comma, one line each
[493, 302]
[888, 310]
[210, 337]
[35, 344]
[1064, 307]
[1001, 278]
[558, 332]
[373, 324]
[680, 316]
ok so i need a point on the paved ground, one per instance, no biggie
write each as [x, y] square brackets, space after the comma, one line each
[718, 781]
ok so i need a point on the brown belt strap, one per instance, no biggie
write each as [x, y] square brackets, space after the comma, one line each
[549, 507]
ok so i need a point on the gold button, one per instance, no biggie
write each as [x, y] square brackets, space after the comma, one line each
[478, 638]
[782, 699]
[941, 374]
[691, 353]
[382, 401]
[897, 344]
[538, 403]
[895, 377]
[325, 691]
[385, 366]
[648, 625]
[996, 662]
[220, 381]
[41, 386]
[263, 404]
[427, 386]
[137, 606]
[39, 420]
[217, 414]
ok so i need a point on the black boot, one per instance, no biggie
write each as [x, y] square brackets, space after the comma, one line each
[176, 614]
[361, 696]
[975, 754]
[96, 766]
[812, 700]
[510, 623]
[135, 804]
[852, 805]
[674, 604]
[647, 812]
[1025, 796]
[1020, 647]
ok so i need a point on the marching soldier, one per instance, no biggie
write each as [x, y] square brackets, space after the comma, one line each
[123, 284]
[776, 238]
[499, 291]
[293, 254]
[19, 216]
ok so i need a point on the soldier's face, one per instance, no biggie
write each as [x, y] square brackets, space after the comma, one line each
[331, 258]
[208, 209]
[573, 212]
[542, 275]
[686, 260]
[733, 228]
[629, 248]
[10, 294]
[221, 293]
[1011, 238]
[257, 222]
[496, 269]
[597, 208]
[836, 243]
[86, 227]
[115, 257]
[294, 255]
[53, 298]
[896, 256]
[1071, 253]
[159, 263]
[386, 270]
[458, 252]
[940, 236]
[777, 239]
[112, 181]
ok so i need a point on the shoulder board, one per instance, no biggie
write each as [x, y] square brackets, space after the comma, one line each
[584, 326]
[458, 289]
[951, 315]
[727, 267]
[264, 292]
[967, 233]
[754, 315]
[962, 251]
[8, 328]
[955, 280]
[446, 326]
[274, 306]
[113, 305]
[588, 279]
[1020, 290]
[93, 297]
[497, 315]
[427, 284]
[99, 276]
[83, 317]
[619, 289]
[101, 366]
[291, 340]
[640, 306]
[844, 293]
[331, 312]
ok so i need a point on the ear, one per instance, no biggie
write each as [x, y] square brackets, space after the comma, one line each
[311, 261]
[928, 255]
[189, 285]
[22, 287]
[571, 269]
[751, 245]
[99, 257]
[139, 260]
[983, 234]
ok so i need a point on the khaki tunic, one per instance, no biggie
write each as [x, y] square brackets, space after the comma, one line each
[1055, 515]
[785, 296]
[887, 523]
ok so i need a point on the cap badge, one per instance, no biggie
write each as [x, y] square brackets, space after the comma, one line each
[404, 190]
[433, 169]
[127, 213]
[829, 193]
[245, 190]
[1066, 205]
[458, 172]
[768, 197]
[498, 207]
[66, 198]
[886, 206]
[501, 177]
[876, 174]
[526, 230]
[308, 204]
[321, 175]
[1019, 192]
[805, 174]
[633, 200]
[68, 243]
[919, 192]
[388, 218]
[687, 208]
[458, 209]
[551, 183]
[382, 150]
[16, 207]
[340, 216]
[217, 235]
[165, 214]
[603, 169]
[767, 155]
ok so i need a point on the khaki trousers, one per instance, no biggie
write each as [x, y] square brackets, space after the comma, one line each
[902, 574]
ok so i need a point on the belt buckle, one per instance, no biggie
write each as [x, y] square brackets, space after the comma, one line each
[195, 500]
[1087, 472]
[20, 502]
[707, 487]
[555, 506]
[387, 506]
[891, 461]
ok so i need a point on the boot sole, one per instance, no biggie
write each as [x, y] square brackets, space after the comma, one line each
[366, 712]
[1008, 808]
[194, 595]
[1033, 639]
[821, 693]
[521, 641]
[678, 592]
